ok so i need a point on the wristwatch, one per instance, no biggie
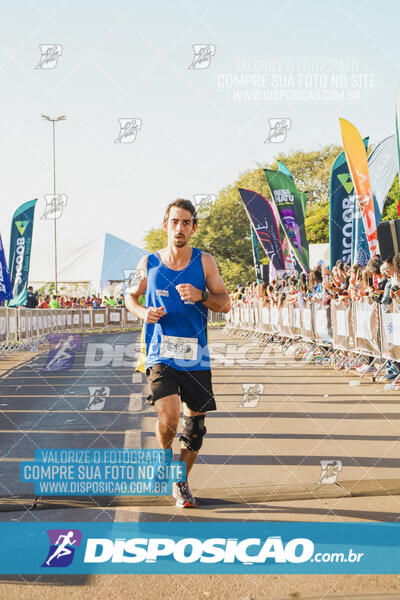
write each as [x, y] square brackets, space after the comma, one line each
[204, 296]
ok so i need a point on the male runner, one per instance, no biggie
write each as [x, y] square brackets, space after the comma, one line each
[174, 336]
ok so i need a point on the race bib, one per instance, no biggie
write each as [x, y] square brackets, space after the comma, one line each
[178, 347]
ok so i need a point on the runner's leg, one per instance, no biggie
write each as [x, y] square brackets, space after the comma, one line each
[168, 411]
[189, 456]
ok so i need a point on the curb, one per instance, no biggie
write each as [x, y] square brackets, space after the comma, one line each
[234, 495]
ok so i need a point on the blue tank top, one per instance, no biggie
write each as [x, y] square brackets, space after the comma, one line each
[180, 337]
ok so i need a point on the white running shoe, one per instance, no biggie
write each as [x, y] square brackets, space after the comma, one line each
[182, 494]
[367, 369]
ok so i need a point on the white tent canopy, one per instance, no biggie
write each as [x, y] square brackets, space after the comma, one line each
[99, 261]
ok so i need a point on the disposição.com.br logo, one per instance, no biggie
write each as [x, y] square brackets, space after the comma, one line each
[62, 547]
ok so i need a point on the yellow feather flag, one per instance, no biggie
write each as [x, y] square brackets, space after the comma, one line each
[357, 162]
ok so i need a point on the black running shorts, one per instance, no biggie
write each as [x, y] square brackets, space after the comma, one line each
[194, 387]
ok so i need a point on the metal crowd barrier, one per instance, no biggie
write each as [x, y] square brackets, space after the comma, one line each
[390, 328]
[22, 328]
[25, 328]
[215, 317]
[342, 332]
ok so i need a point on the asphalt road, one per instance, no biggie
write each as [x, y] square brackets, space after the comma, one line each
[259, 461]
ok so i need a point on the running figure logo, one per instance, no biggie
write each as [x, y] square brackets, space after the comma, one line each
[203, 54]
[98, 397]
[54, 206]
[128, 130]
[278, 129]
[251, 394]
[62, 547]
[360, 201]
[62, 351]
[203, 204]
[132, 279]
[329, 471]
[49, 56]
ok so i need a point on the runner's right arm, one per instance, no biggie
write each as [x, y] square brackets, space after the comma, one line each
[151, 314]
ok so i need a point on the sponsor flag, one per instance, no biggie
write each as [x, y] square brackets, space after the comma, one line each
[341, 211]
[5, 284]
[356, 157]
[304, 198]
[303, 195]
[398, 133]
[261, 216]
[290, 263]
[283, 169]
[290, 208]
[20, 251]
[359, 243]
[256, 254]
[398, 122]
[383, 168]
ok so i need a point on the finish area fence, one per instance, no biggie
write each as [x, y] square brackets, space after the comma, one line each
[24, 328]
[344, 328]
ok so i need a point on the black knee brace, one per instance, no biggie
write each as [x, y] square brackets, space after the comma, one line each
[193, 432]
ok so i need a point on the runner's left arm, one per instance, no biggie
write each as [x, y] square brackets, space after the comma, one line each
[218, 299]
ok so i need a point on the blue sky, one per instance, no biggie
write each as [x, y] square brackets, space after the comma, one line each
[130, 59]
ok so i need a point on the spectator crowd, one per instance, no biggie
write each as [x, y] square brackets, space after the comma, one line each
[379, 280]
[58, 301]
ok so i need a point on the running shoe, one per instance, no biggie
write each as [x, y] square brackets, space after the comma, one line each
[367, 369]
[389, 376]
[182, 494]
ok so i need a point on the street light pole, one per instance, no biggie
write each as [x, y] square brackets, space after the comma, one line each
[53, 121]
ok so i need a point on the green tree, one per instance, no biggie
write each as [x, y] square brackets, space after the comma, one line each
[392, 200]
[226, 232]
[226, 235]
[155, 239]
[317, 223]
[311, 170]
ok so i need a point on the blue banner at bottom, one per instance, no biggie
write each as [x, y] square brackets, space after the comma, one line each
[213, 547]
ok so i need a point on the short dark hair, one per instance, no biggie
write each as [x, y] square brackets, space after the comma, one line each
[317, 275]
[181, 203]
[374, 265]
